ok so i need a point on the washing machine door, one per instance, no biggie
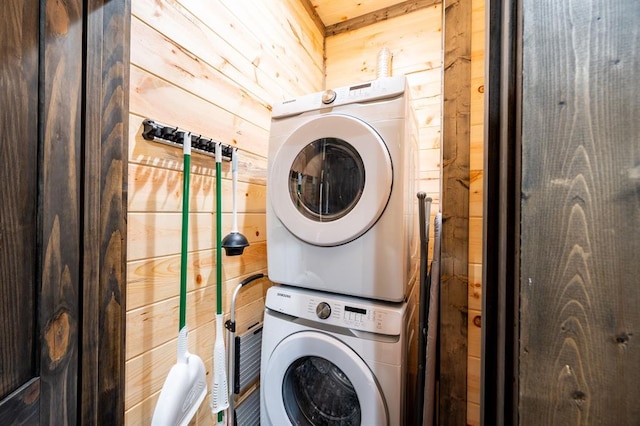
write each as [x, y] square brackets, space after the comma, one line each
[331, 180]
[315, 379]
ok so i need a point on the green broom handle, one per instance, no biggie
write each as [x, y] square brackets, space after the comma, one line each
[218, 228]
[186, 149]
[219, 237]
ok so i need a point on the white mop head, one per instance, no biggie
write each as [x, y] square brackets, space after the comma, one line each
[219, 388]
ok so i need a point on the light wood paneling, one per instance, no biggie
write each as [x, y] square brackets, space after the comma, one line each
[154, 98]
[473, 414]
[475, 331]
[476, 195]
[187, 71]
[252, 168]
[334, 11]
[473, 380]
[475, 286]
[414, 40]
[375, 16]
[213, 68]
[146, 372]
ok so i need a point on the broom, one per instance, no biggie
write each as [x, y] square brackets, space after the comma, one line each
[186, 386]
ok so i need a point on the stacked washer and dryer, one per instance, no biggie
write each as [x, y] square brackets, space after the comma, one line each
[340, 222]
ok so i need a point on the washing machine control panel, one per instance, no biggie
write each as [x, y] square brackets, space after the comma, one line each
[323, 310]
[337, 310]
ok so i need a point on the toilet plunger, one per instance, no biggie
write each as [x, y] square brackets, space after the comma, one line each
[234, 243]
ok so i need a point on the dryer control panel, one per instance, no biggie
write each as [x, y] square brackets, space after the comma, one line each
[382, 88]
[341, 311]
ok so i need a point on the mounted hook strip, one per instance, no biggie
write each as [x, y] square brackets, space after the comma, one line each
[172, 136]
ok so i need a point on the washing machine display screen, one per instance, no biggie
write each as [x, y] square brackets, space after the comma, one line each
[316, 392]
[326, 179]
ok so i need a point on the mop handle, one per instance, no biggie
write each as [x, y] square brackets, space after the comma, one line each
[234, 182]
[218, 228]
[186, 150]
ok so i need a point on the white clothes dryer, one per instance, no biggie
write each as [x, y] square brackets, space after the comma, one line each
[331, 359]
[342, 174]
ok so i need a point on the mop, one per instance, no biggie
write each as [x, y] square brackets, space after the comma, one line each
[185, 387]
[219, 390]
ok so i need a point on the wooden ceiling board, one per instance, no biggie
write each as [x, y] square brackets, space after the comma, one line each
[334, 11]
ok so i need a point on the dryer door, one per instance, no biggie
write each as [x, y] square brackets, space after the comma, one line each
[331, 180]
[314, 379]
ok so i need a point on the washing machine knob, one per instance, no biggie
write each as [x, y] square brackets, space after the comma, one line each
[323, 310]
[328, 96]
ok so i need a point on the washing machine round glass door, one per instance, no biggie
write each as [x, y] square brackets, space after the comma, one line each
[331, 180]
[315, 379]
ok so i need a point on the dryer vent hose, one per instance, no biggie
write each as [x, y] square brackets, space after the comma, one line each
[384, 63]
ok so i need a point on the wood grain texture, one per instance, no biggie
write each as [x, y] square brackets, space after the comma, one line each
[18, 192]
[252, 168]
[22, 407]
[213, 68]
[151, 95]
[579, 317]
[105, 207]
[146, 372]
[414, 40]
[369, 13]
[455, 213]
[335, 11]
[60, 215]
[175, 63]
[155, 279]
[313, 14]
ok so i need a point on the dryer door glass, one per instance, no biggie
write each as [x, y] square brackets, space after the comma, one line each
[326, 179]
[330, 180]
[316, 392]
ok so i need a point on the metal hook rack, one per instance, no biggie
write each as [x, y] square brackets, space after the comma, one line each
[173, 136]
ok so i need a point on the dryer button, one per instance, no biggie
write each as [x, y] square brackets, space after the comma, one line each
[323, 310]
[328, 96]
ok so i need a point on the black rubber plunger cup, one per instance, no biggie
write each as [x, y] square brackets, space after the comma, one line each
[235, 242]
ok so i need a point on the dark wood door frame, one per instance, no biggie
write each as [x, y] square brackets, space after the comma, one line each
[499, 370]
[82, 133]
[105, 135]
[452, 388]
[83, 212]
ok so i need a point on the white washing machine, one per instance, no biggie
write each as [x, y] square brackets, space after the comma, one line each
[331, 359]
[342, 175]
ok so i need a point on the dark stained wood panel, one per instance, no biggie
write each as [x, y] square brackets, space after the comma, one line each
[455, 213]
[104, 241]
[61, 162]
[18, 192]
[63, 173]
[22, 407]
[580, 270]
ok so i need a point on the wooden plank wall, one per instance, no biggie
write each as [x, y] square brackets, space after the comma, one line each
[580, 214]
[106, 110]
[415, 41]
[476, 164]
[205, 66]
[456, 132]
